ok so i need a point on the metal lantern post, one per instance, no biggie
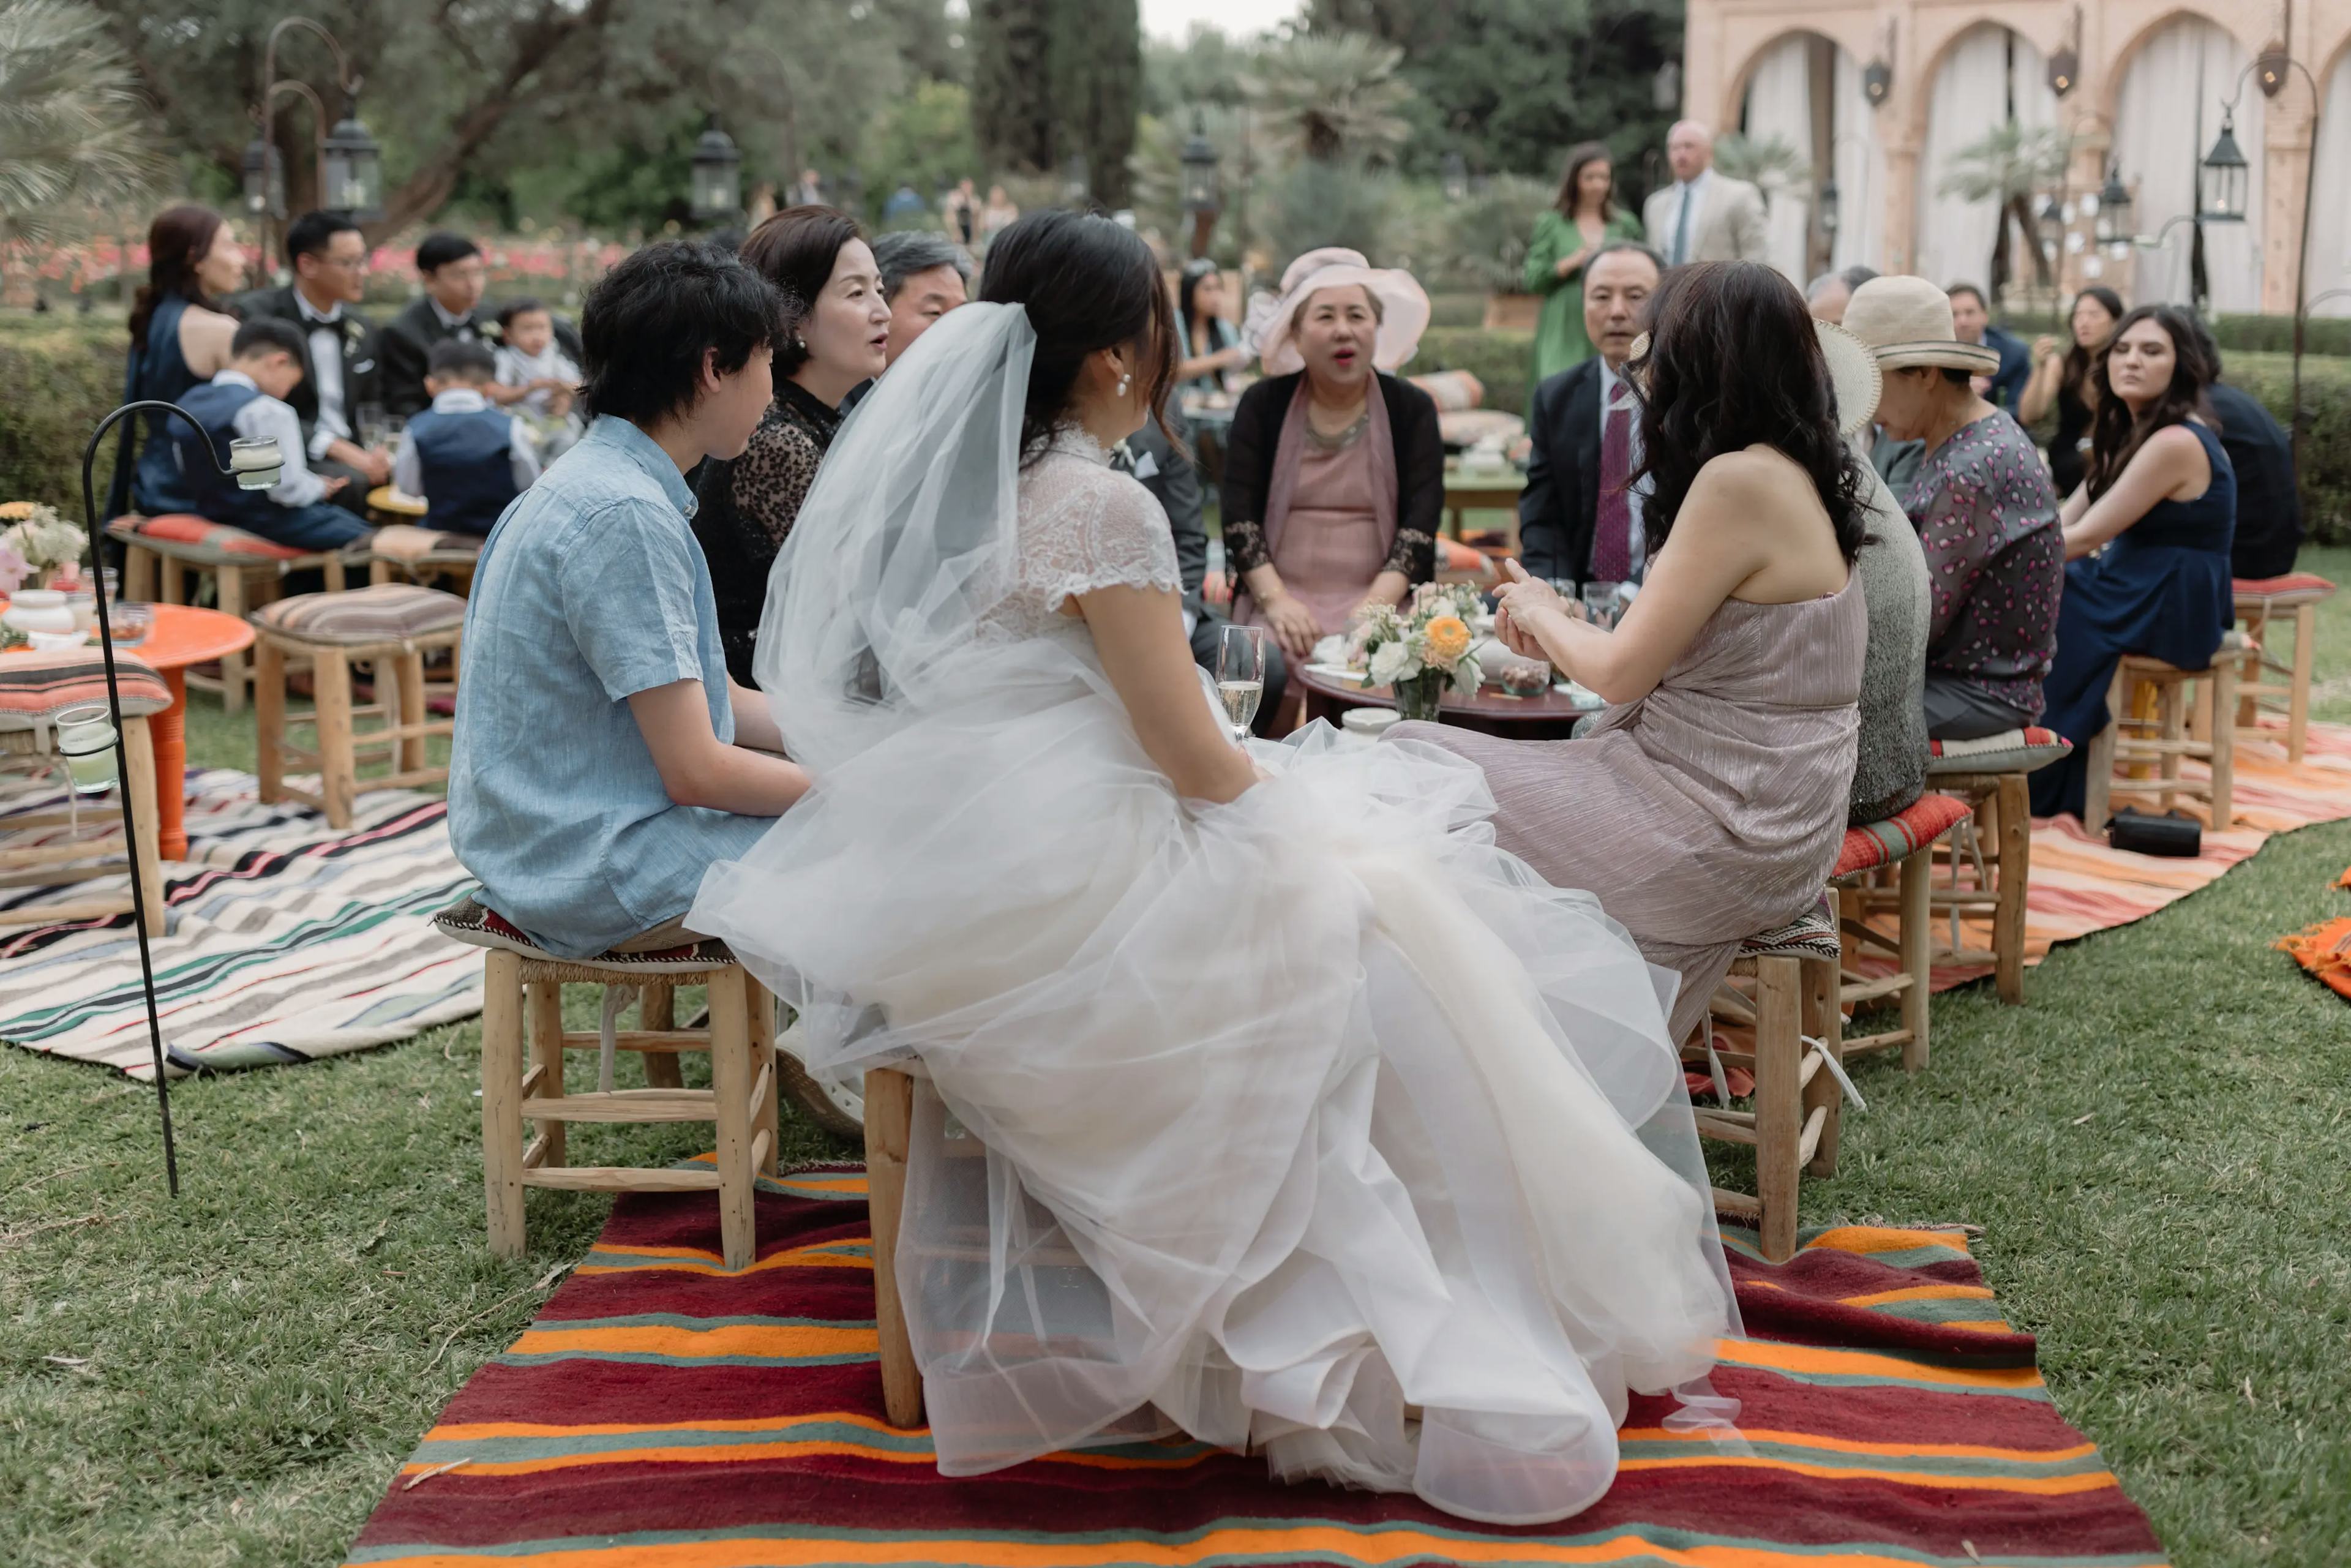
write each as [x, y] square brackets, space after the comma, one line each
[2114, 220]
[265, 179]
[2221, 178]
[352, 175]
[717, 194]
[1204, 195]
[254, 465]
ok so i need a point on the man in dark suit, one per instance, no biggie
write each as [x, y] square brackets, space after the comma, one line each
[1971, 318]
[340, 370]
[1576, 518]
[2269, 500]
[448, 310]
[1169, 476]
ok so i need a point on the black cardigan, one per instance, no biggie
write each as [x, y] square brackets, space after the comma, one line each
[1420, 462]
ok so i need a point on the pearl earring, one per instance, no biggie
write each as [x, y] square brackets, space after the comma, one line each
[1123, 382]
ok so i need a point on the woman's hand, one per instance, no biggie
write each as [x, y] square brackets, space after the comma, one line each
[1568, 264]
[1293, 624]
[1521, 605]
[2046, 347]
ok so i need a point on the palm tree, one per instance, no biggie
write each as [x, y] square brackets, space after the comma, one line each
[1329, 96]
[74, 132]
[1769, 164]
[2006, 166]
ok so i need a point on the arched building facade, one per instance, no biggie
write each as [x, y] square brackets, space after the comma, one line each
[2151, 80]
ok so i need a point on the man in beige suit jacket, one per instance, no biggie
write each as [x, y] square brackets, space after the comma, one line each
[1703, 216]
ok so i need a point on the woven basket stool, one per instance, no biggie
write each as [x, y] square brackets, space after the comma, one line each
[2260, 602]
[522, 1015]
[158, 552]
[390, 627]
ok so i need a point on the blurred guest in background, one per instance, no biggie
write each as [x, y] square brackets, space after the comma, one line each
[248, 401]
[1972, 318]
[1334, 474]
[467, 459]
[536, 378]
[1211, 349]
[839, 338]
[1000, 213]
[2269, 501]
[342, 372]
[1579, 516]
[2148, 534]
[447, 311]
[1703, 216]
[179, 338]
[961, 212]
[1583, 219]
[1826, 296]
[925, 274]
[2061, 377]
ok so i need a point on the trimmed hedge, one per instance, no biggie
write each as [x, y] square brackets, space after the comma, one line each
[1503, 361]
[58, 375]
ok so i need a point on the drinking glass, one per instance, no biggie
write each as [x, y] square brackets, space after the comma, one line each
[1240, 675]
[367, 426]
[1600, 604]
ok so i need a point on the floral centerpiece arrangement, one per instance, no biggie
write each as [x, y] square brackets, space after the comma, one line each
[1420, 647]
[40, 540]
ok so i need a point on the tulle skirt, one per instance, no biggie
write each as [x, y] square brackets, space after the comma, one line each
[1263, 1121]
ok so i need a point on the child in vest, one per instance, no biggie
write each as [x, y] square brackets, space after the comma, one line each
[468, 460]
[246, 400]
[603, 759]
[536, 378]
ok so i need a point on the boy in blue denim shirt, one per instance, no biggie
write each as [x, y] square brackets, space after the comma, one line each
[602, 758]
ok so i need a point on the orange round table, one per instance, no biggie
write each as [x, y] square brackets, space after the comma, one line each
[182, 635]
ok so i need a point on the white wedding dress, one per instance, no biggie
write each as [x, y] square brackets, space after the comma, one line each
[1265, 1121]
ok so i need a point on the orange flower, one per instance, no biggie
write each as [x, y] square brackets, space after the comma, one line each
[1449, 639]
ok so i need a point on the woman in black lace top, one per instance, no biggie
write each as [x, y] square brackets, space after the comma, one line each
[837, 342]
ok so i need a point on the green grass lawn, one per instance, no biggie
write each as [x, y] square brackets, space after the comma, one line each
[2153, 1147]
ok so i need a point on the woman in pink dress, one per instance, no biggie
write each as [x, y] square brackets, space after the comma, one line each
[1334, 477]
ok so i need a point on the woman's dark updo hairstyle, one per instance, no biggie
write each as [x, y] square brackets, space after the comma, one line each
[2115, 432]
[795, 250]
[1087, 283]
[177, 240]
[1734, 362]
[2079, 358]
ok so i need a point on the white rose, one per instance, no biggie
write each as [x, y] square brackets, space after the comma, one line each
[1392, 661]
[1467, 675]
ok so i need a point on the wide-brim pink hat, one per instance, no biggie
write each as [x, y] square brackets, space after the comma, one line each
[1403, 308]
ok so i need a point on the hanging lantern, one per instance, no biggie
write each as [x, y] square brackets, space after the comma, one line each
[1203, 183]
[1876, 81]
[2114, 212]
[354, 169]
[717, 192]
[2064, 70]
[2221, 181]
[1666, 87]
[265, 179]
[2270, 69]
[1831, 205]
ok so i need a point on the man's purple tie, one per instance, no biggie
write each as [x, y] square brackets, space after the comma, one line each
[1612, 533]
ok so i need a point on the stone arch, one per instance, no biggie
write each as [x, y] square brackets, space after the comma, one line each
[1735, 86]
[2117, 66]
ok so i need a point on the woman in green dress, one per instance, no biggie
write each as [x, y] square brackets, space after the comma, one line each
[1585, 218]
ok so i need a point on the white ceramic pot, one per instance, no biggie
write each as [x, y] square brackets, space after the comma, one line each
[39, 610]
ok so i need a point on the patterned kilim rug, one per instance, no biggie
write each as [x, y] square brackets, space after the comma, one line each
[287, 939]
[2080, 885]
[662, 1413]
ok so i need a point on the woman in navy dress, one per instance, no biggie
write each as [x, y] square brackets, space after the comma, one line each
[2159, 507]
[179, 339]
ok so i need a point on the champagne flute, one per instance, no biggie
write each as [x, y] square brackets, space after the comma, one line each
[1240, 675]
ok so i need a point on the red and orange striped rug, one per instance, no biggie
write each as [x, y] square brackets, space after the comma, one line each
[662, 1413]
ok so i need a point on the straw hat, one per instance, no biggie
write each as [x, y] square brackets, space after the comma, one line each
[1854, 379]
[1403, 308]
[1906, 323]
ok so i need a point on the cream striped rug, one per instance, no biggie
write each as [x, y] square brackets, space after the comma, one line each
[287, 940]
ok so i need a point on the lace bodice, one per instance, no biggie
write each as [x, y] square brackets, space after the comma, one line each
[1083, 526]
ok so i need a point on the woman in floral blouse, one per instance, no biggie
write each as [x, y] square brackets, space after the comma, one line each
[837, 342]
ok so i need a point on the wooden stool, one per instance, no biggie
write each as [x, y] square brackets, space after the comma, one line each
[522, 999]
[2260, 600]
[2121, 745]
[34, 688]
[390, 626]
[1795, 1117]
[1890, 865]
[158, 552]
[889, 1130]
[1992, 774]
[399, 553]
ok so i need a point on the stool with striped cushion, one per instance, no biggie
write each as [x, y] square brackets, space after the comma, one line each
[1795, 1112]
[2260, 600]
[1990, 775]
[157, 552]
[391, 626]
[34, 689]
[1898, 851]
[399, 552]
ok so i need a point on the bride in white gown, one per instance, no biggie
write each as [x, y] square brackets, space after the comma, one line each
[1311, 1121]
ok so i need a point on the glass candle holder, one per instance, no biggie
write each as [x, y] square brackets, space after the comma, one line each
[85, 740]
[257, 462]
[130, 624]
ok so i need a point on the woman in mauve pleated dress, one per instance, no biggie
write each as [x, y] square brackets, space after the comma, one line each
[1708, 801]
